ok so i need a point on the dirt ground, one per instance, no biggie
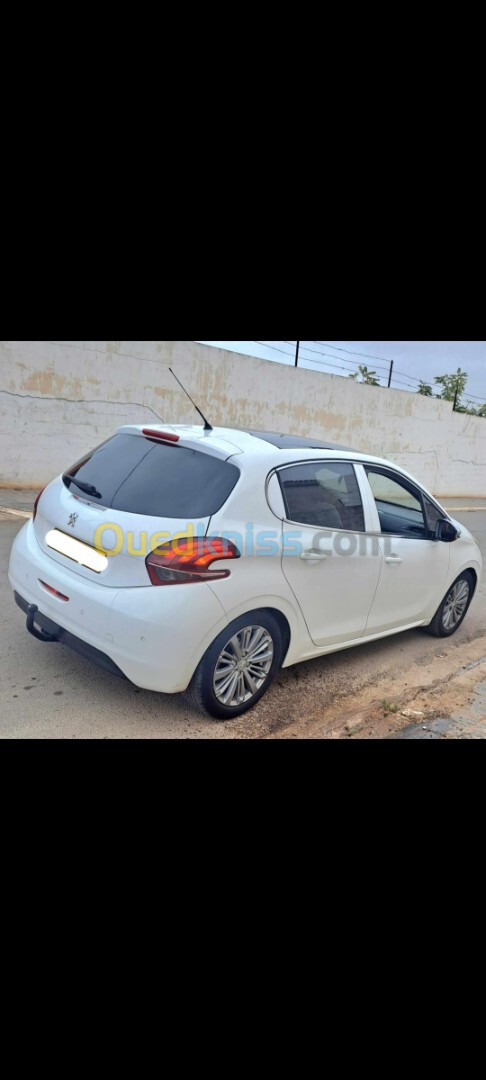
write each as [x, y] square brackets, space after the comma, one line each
[449, 688]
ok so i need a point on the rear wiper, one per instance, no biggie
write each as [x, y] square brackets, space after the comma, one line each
[88, 488]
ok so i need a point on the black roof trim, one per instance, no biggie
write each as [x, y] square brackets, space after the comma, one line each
[296, 442]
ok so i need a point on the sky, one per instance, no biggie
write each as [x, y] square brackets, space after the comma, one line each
[413, 360]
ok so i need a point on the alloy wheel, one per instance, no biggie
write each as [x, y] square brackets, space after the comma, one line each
[455, 604]
[243, 665]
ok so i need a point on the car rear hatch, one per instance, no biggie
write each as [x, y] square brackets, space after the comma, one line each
[136, 491]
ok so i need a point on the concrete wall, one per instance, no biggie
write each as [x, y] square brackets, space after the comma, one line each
[60, 398]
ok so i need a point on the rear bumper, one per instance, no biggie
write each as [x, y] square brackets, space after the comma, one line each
[155, 637]
[65, 638]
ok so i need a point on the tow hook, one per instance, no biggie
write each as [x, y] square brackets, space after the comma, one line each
[41, 635]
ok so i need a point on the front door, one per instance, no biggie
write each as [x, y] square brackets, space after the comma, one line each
[415, 566]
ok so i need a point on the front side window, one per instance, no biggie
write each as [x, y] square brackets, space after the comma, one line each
[433, 515]
[324, 494]
[398, 504]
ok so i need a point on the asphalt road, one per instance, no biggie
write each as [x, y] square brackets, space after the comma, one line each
[47, 691]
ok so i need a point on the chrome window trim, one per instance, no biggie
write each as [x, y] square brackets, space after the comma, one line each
[351, 461]
[305, 524]
[411, 484]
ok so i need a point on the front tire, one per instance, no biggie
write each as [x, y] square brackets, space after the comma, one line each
[453, 608]
[238, 667]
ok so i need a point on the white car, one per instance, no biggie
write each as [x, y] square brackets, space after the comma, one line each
[203, 560]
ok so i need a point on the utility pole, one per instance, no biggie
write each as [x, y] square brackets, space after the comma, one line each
[297, 354]
[390, 375]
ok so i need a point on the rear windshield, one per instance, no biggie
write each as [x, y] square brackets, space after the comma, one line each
[138, 475]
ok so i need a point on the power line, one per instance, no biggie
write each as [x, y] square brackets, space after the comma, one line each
[371, 356]
[338, 366]
[322, 364]
[284, 353]
[409, 385]
[317, 352]
[368, 356]
[305, 348]
[475, 396]
[326, 363]
[340, 348]
[265, 346]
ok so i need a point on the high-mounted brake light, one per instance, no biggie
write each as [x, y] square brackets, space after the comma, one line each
[36, 502]
[166, 436]
[189, 559]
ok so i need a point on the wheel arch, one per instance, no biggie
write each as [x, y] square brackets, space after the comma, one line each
[297, 641]
[284, 627]
[475, 577]
[472, 569]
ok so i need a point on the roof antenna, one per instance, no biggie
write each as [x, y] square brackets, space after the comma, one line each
[207, 426]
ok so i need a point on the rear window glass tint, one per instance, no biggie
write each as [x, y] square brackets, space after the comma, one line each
[135, 474]
[324, 494]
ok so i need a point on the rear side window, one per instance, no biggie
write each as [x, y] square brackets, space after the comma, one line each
[137, 475]
[323, 493]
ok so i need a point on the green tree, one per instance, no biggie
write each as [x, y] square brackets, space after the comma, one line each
[368, 377]
[425, 389]
[452, 385]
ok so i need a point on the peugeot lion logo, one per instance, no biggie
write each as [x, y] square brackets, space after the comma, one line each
[72, 519]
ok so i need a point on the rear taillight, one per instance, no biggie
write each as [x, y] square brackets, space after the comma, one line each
[54, 592]
[36, 502]
[186, 560]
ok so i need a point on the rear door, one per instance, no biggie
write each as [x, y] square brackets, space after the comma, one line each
[137, 493]
[333, 570]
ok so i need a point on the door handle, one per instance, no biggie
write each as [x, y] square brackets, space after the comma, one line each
[393, 559]
[313, 556]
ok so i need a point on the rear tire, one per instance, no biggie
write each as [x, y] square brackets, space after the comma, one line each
[238, 668]
[453, 609]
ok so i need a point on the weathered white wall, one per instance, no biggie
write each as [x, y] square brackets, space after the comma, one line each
[60, 398]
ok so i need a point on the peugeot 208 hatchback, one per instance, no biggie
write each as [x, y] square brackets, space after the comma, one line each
[202, 561]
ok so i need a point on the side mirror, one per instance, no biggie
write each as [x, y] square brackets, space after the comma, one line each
[446, 531]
